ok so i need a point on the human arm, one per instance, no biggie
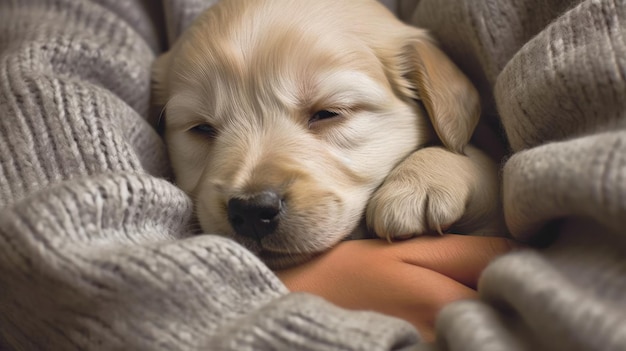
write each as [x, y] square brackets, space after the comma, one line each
[411, 280]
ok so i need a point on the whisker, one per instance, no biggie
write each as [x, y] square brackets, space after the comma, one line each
[160, 125]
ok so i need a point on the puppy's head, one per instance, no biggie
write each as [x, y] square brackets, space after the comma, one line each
[282, 117]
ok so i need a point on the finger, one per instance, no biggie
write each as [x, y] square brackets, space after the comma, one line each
[460, 257]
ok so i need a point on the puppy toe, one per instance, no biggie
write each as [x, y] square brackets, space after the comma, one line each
[443, 209]
[402, 211]
[395, 214]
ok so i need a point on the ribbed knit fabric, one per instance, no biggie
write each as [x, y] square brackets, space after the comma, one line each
[558, 72]
[94, 245]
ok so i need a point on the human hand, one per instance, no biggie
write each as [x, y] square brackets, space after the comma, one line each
[410, 279]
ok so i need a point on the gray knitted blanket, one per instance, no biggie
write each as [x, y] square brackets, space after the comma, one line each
[95, 251]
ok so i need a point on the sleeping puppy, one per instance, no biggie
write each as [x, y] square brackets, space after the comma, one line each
[290, 121]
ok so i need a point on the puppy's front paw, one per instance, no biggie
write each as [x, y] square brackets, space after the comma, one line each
[416, 200]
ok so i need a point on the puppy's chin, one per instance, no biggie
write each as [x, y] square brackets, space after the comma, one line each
[278, 261]
[273, 258]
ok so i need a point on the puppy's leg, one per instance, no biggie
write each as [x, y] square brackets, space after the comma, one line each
[434, 190]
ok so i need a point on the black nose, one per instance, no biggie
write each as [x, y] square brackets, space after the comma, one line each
[256, 216]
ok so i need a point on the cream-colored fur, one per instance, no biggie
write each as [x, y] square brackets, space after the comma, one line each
[253, 74]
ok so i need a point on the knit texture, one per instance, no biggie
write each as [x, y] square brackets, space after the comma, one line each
[558, 72]
[95, 245]
[95, 251]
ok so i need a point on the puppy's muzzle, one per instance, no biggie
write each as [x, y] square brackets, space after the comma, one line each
[255, 216]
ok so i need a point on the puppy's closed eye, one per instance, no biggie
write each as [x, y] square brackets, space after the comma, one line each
[204, 130]
[322, 115]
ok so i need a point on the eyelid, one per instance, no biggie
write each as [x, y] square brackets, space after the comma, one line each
[191, 119]
[340, 110]
[196, 125]
[323, 115]
[342, 114]
[204, 131]
[191, 125]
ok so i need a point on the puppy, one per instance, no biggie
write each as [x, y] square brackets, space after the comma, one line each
[290, 121]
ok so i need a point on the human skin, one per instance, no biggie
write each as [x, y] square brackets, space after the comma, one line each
[410, 279]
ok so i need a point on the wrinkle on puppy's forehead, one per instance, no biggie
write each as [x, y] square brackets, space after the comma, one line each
[294, 81]
[283, 64]
[296, 66]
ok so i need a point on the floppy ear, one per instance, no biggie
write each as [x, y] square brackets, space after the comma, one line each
[449, 97]
[160, 90]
